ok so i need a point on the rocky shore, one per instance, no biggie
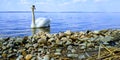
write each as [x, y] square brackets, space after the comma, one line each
[62, 46]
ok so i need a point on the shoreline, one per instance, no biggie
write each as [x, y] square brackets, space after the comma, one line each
[63, 45]
[33, 31]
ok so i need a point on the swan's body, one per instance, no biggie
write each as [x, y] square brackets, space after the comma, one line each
[40, 22]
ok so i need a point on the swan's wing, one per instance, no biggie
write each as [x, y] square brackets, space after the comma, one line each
[42, 22]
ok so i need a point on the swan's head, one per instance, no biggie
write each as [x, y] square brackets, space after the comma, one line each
[33, 7]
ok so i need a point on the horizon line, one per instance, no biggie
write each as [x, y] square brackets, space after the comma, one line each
[54, 12]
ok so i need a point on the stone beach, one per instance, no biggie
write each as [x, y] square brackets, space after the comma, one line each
[62, 46]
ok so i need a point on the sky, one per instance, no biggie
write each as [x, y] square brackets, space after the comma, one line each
[61, 5]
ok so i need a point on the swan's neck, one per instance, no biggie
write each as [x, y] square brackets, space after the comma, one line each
[33, 18]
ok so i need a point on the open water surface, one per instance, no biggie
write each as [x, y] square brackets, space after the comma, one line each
[18, 24]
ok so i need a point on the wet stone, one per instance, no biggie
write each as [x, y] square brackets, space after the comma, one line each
[5, 43]
[59, 46]
[72, 55]
[0, 56]
[28, 57]
[20, 57]
[4, 47]
[1, 44]
[12, 55]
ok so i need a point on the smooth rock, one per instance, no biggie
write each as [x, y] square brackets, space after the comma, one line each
[72, 55]
[46, 57]
[73, 51]
[40, 41]
[5, 43]
[49, 35]
[106, 38]
[4, 55]
[4, 47]
[57, 53]
[58, 50]
[40, 49]
[35, 45]
[1, 44]
[20, 57]
[28, 45]
[11, 55]
[51, 40]
[81, 56]
[19, 40]
[0, 56]
[68, 32]
[28, 57]
[59, 42]
[34, 58]
[96, 32]
[69, 47]
[68, 42]
[82, 47]
[61, 35]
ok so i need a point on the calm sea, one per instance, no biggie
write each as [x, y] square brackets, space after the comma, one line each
[18, 24]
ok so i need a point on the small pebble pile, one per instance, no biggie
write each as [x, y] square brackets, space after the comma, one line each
[59, 46]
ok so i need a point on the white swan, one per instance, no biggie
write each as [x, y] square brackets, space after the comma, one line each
[40, 22]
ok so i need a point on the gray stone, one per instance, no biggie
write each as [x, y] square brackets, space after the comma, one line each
[11, 55]
[0, 44]
[72, 55]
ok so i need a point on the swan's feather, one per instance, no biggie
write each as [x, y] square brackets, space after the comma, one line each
[42, 22]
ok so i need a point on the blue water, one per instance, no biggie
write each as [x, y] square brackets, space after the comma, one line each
[18, 24]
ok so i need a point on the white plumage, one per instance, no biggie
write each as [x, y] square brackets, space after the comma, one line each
[40, 22]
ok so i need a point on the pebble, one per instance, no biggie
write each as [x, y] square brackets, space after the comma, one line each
[57, 53]
[35, 45]
[63, 45]
[68, 32]
[4, 55]
[11, 55]
[72, 55]
[73, 51]
[81, 56]
[1, 44]
[28, 57]
[46, 57]
[69, 47]
[20, 57]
